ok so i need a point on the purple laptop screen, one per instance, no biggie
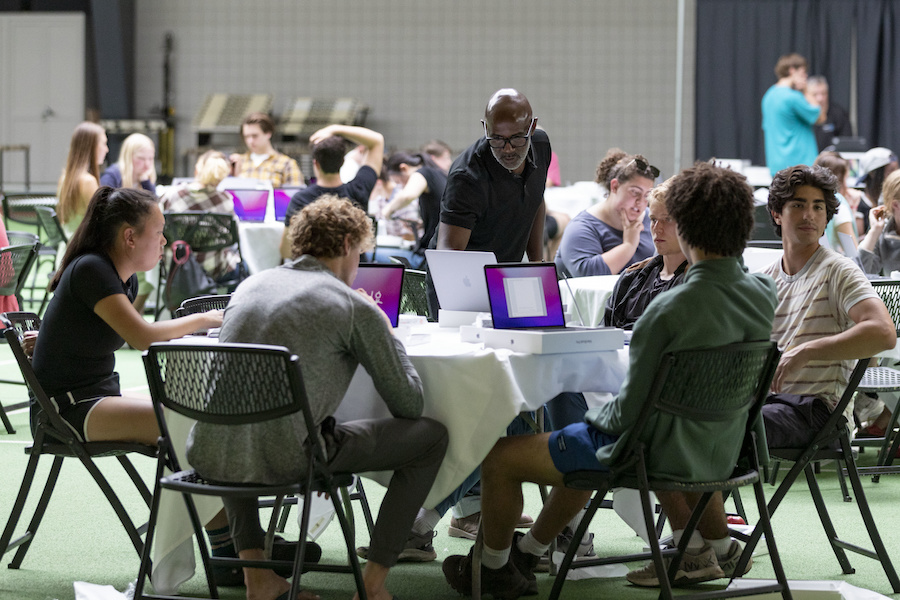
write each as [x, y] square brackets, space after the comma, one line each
[250, 205]
[524, 295]
[384, 283]
[282, 198]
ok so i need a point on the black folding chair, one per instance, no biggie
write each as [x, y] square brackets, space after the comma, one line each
[882, 380]
[16, 263]
[55, 238]
[22, 322]
[52, 436]
[725, 385]
[237, 385]
[831, 443]
[204, 232]
[202, 304]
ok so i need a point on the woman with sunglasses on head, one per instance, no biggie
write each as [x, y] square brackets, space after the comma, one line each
[615, 233]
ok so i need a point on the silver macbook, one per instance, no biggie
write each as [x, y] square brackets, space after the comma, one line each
[458, 277]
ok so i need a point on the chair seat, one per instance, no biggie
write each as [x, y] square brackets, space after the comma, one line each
[880, 379]
[96, 449]
[193, 482]
[592, 480]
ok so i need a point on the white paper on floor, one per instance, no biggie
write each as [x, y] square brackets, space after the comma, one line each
[813, 590]
[93, 591]
[617, 570]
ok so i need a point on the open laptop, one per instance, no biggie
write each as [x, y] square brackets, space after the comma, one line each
[250, 205]
[527, 313]
[458, 277]
[384, 282]
[282, 198]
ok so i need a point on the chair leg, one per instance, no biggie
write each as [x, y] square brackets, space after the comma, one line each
[136, 479]
[845, 493]
[5, 419]
[881, 553]
[38, 515]
[360, 494]
[349, 535]
[573, 548]
[770, 543]
[133, 532]
[19, 505]
[839, 553]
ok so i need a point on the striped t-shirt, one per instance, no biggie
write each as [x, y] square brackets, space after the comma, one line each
[816, 303]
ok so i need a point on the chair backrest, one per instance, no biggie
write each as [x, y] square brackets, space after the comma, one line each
[19, 208]
[51, 226]
[202, 304]
[204, 231]
[725, 385]
[15, 264]
[412, 296]
[22, 238]
[22, 321]
[227, 384]
[889, 292]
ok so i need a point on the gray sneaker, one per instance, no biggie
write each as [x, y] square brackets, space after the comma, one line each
[563, 540]
[694, 568]
[729, 562]
[418, 548]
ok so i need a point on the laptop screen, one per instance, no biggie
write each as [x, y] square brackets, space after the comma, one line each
[524, 295]
[385, 284]
[250, 205]
[282, 198]
[458, 277]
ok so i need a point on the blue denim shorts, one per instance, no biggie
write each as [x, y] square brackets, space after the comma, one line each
[574, 447]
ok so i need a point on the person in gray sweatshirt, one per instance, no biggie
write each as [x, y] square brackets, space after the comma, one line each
[308, 306]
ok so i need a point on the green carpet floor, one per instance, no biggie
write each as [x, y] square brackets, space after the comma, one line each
[81, 539]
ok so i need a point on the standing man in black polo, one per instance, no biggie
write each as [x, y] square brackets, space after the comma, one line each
[494, 198]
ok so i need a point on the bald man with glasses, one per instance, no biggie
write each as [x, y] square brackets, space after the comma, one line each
[494, 198]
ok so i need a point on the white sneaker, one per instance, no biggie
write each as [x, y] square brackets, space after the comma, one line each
[694, 568]
[729, 562]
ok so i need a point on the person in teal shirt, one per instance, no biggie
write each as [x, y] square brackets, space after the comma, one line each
[788, 116]
[713, 210]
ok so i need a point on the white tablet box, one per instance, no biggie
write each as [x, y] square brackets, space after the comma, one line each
[560, 341]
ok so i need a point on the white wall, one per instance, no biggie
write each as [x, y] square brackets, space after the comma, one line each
[597, 73]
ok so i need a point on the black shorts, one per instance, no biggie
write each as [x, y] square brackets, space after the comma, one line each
[76, 413]
[792, 421]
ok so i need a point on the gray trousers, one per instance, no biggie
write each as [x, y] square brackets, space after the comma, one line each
[412, 448]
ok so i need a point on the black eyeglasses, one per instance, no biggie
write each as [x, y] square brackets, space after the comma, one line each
[516, 141]
[644, 167]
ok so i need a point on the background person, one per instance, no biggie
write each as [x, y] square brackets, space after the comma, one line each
[837, 121]
[81, 175]
[136, 165]
[420, 179]
[201, 195]
[843, 221]
[874, 167]
[614, 233]
[262, 160]
[788, 115]
[643, 281]
[135, 169]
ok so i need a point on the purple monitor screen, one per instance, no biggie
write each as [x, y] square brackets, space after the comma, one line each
[524, 295]
[282, 198]
[250, 205]
[385, 284]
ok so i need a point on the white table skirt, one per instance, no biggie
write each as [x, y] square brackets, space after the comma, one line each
[475, 392]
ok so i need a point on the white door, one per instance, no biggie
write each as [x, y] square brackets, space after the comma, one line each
[42, 97]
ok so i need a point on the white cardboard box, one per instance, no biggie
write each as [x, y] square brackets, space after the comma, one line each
[555, 342]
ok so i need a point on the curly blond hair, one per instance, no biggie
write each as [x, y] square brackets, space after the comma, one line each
[320, 228]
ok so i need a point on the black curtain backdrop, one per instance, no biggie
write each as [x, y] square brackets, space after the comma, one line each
[738, 44]
[878, 72]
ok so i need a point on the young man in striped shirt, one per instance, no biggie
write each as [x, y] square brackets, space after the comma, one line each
[828, 314]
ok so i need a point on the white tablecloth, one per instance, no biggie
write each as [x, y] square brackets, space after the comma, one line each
[475, 392]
